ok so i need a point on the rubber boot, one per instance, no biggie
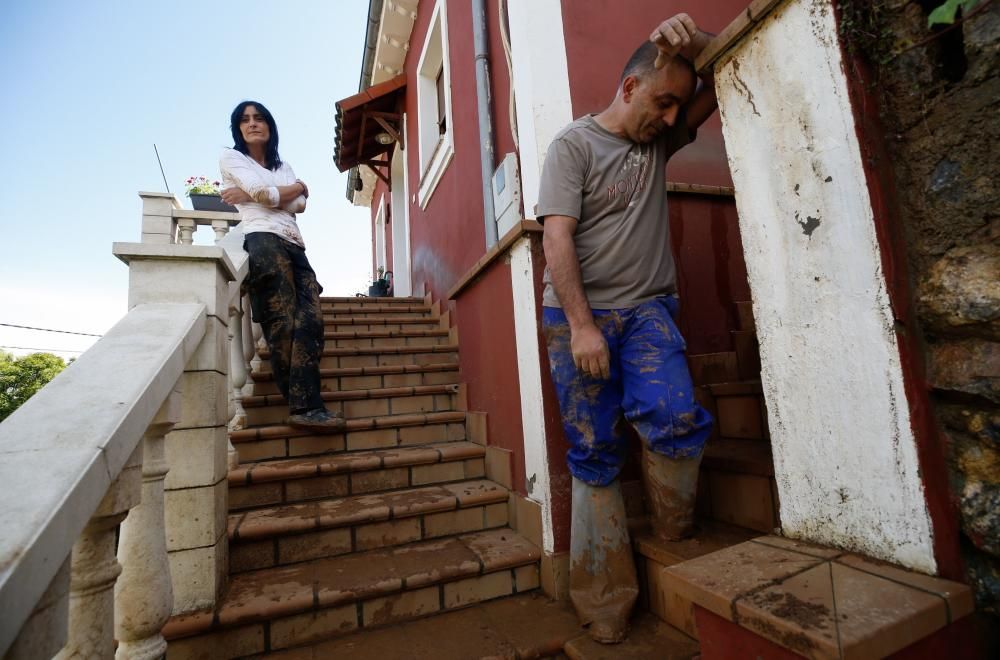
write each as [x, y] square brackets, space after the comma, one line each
[602, 579]
[671, 488]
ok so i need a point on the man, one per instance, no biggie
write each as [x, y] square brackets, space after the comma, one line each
[610, 307]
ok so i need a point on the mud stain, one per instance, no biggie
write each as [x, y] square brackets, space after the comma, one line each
[809, 225]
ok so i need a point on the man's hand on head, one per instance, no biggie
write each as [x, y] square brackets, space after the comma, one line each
[673, 36]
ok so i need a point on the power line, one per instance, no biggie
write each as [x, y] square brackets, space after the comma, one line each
[64, 332]
[43, 350]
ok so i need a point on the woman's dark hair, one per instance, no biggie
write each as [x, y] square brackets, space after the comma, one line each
[271, 157]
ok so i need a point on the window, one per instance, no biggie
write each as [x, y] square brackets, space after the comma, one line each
[435, 140]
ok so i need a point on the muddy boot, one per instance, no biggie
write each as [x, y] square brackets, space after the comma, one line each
[671, 487]
[602, 579]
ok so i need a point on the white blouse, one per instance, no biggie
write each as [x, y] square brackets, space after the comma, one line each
[263, 214]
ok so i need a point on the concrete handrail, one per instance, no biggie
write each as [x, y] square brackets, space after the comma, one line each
[62, 451]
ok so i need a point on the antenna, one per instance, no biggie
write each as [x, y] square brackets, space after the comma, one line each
[161, 167]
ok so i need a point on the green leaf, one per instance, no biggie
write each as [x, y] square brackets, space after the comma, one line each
[945, 14]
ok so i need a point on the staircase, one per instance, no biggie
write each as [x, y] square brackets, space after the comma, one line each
[392, 520]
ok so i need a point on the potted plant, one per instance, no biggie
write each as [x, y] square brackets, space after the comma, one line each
[205, 196]
[382, 284]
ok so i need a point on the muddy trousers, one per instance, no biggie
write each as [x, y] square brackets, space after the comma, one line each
[284, 297]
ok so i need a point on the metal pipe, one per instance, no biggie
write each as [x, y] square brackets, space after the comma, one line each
[367, 65]
[485, 117]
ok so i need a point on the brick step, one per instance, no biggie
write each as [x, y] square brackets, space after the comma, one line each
[371, 300]
[288, 606]
[738, 408]
[273, 409]
[739, 456]
[354, 378]
[351, 473]
[336, 358]
[385, 432]
[338, 323]
[288, 534]
[708, 368]
[384, 338]
[379, 309]
[648, 639]
[654, 556]
[522, 626]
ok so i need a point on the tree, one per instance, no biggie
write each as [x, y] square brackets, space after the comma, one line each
[21, 377]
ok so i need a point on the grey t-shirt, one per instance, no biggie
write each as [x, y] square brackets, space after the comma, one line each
[616, 189]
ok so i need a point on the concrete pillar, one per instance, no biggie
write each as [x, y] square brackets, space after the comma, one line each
[196, 493]
[158, 224]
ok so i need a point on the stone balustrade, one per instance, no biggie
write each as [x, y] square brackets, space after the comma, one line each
[131, 440]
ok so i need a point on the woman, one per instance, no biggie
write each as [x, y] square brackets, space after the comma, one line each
[284, 293]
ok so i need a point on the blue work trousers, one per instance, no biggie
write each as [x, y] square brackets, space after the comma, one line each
[650, 386]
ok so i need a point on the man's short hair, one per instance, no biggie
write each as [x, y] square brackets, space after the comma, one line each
[643, 61]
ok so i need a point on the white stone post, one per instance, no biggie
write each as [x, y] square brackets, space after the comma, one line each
[237, 373]
[144, 596]
[196, 492]
[158, 224]
[95, 569]
[249, 345]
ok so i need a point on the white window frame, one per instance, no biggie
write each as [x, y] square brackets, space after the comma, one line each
[434, 151]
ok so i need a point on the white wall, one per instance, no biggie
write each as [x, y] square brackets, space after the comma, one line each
[844, 452]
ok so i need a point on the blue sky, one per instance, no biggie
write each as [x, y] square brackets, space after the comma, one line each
[88, 87]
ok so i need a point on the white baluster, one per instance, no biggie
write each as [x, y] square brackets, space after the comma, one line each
[237, 375]
[144, 596]
[95, 569]
[249, 346]
[221, 228]
[185, 230]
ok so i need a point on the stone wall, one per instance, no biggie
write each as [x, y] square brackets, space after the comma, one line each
[940, 107]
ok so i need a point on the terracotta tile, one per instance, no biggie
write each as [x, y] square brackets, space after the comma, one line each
[412, 404]
[528, 518]
[359, 462]
[265, 523]
[475, 468]
[402, 380]
[739, 417]
[255, 495]
[798, 614]
[286, 469]
[472, 493]
[713, 581]
[648, 639]
[457, 432]
[315, 444]
[958, 597]
[810, 549]
[310, 489]
[454, 451]
[710, 536]
[303, 547]
[498, 466]
[414, 501]
[437, 473]
[366, 408]
[386, 534]
[351, 511]
[241, 641]
[477, 589]
[361, 382]
[375, 439]
[878, 617]
[526, 578]
[555, 575]
[313, 626]
[251, 556]
[742, 499]
[409, 456]
[502, 548]
[379, 480]
[667, 604]
[268, 594]
[184, 625]
[475, 423]
[496, 515]
[420, 435]
[739, 455]
[713, 368]
[261, 450]
[453, 522]
[401, 607]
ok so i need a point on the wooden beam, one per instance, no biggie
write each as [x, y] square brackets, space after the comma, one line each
[389, 129]
[379, 174]
[733, 32]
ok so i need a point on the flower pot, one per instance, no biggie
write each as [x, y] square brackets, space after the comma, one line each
[379, 288]
[210, 203]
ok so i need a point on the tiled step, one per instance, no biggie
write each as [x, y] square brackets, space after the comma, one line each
[522, 626]
[360, 403]
[739, 456]
[289, 534]
[353, 378]
[648, 639]
[284, 607]
[738, 408]
[655, 555]
[747, 354]
[383, 338]
[409, 310]
[371, 300]
[341, 323]
[390, 431]
[737, 484]
[299, 479]
[708, 368]
[333, 358]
